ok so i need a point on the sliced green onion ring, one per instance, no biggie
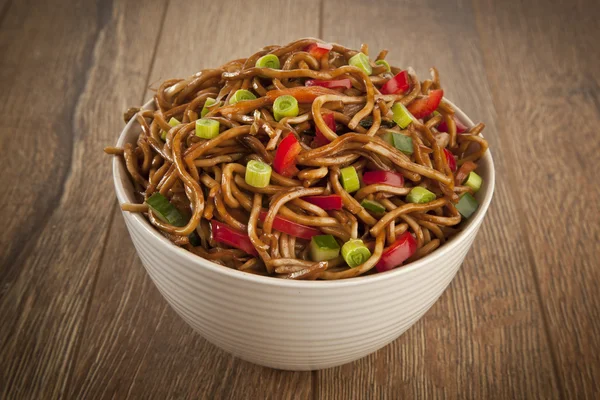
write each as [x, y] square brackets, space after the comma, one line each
[164, 210]
[268, 61]
[167, 212]
[401, 115]
[420, 195]
[172, 122]
[323, 248]
[350, 180]
[474, 181]
[385, 64]
[285, 106]
[467, 205]
[241, 95]
[209, 102]
[361, 60]
[258, 174]
[207, 128]
[373, 206]
[398, 140]
[355, 252]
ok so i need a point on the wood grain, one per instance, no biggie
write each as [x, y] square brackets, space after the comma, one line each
[135, 345]
[484, 338]
[68, 76]
[4, 5]
[79, 316]
[548, 96]
[206, 36]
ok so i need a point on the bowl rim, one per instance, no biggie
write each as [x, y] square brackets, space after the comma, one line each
[140, 222]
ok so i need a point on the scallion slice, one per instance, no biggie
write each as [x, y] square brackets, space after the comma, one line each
[467, 205]
[373, 206]
[355, 252]
[207, 128]
[420, 195]
[209, 102]
[401, 142]
[172, 122]
[167, 212]
[474, 181]
[164, 210]
[241, 95]
[258, 174]
[285, 106]
[350, 180]
[323, 248]
[195, 239]
[361, 60]
[385, 64]
[401, 115]
[268, 61]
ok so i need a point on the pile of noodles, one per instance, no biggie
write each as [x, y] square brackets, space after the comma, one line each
[205, 178]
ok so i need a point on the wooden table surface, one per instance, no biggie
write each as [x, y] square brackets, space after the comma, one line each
[80, 318]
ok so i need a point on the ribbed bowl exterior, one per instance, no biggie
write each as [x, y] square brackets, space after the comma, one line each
[296, 325]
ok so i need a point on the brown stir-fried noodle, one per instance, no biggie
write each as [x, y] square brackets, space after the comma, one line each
[205, 178]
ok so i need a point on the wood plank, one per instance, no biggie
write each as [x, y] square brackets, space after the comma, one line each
[484, 338]
[135, 345]
[68, 74]
[207, 36]
[4, 5]
[545, 82]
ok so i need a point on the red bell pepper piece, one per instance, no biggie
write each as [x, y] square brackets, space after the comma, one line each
[318, 50]
[463, 172]
[223, 233]
[450, 159]
[460, 127]
[388, 178]
[392, 257]
[285, 156]
[398, 84]
[320, 139]
[337, 83]
[424, 106]
[290, 227]
[304, 94]
[328, 202]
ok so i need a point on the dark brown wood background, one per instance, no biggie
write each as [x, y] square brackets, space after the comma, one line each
[79, 317]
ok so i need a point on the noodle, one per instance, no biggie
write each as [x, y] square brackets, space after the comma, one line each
[205, 179]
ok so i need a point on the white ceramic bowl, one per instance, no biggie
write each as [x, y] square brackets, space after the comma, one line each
[296, 325]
